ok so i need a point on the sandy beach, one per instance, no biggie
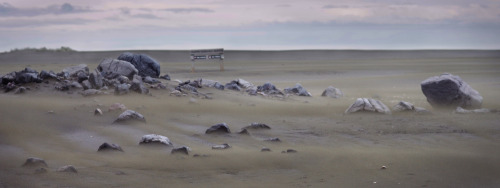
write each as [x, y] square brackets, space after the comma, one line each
[440, 149]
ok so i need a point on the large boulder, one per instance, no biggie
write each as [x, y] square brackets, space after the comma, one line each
[297, 90]
[113, 68]
[332, 92]
[368, 105]
[96, 80]
[450, 91]
[146, 65]
[74, 70]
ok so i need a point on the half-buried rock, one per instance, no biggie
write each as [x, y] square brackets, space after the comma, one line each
[67, 168]
[368, 105]
[109, 147]
[256, 125]
[154, 139]
[221, 146]
[130, 116]
[181, 150]
[450, 91]
[34, 162]
[404, 106]
[220, 128]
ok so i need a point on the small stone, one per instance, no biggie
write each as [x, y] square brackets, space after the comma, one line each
[198, 155]
[256, 125]
[218, 128]
[109, 147]
[67, 168]
[34, 162]
[130, 115]
[264, 149]
[383, 167]
[155, 139]
[276, 139]
[181, 150]
[289, 151]
[98, 112]
[221, 146]
[166, 77]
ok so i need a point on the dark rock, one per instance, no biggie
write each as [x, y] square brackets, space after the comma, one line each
[404, 106]
[122, 89]
[138, 86]
[297, 90]
[289, 151]
[123, 79]
[130, 115]
[150, 80]
[276, 139]
[218, 86]
[67, 168]
[244, 132]
[47, 75]
[98, 112]
[211, 83]
[221, 146]
[27, 77]
[146, 65]
[75, 85]
[63, 75]
[109, 147]
[159, 86]
[232, 86]
[198, 155]
[186, 89]
[9, 87]
[74, 70]
[155, 139]
[256, 125]
[8, 78]
[269, 89]
[181, 150]
[368, 105]
[264, 149]
[63, 86]
[332, 92]
[34, 162]
[113, 68]
[96, 80]
[82, 77]
[450, 91]
[218, 128]
[29, 70]
[166, 77]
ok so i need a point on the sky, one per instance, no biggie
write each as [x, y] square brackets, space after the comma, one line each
[90, 25]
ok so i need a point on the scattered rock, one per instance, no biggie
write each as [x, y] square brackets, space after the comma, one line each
[186, 88]
[460, 110]
[75, 85]
[403, 106]
[264, 149]
[218, 128]
[159, 86]
[383, 167]
[289, 151]
[117, 106]
[155, 139]
[34, 162]
[138, 86]
[113, 68]
[96, 80]
[123, 79]
[81, 76]
[177, 93]
[276, 139]
[47, 75]
[221, 146]
[86, 85]
[74, 70]
[40, 171]
[150, 80]
[109, 147]
[256, 125]
[269, 89]
[297, 90]
[67, 168]
[9, 87]
[130, 115]
[166, 77]
[181, 150]
[244, 132]
[369, 105]
[146, 65]
[332, 92]
[91, 92]
[27, 77]
[198, 155]
[232, 86]
[122, 89]
[450, 91]
[212, 83]
[98, 112]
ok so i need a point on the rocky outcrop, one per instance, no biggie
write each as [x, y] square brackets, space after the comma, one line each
[129, 116]
[96, 80]
[155, 140]
[368, 105]
[74, 70]
[297, 90]
[268, 89]
[146, 65]
[109, 147]
[256, 125]
[450, 91]
[218, 128]
[332, 92]
[113, 68]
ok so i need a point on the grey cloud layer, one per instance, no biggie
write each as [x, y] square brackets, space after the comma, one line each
[7, 10]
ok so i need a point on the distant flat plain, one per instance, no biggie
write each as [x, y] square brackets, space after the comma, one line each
[442, 149]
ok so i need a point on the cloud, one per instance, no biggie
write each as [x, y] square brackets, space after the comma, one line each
[19, 23]
[188, 10]
[335, 6]
[146, 16]
[7, 10]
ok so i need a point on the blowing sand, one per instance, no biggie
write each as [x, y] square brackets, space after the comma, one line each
[442, 149]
